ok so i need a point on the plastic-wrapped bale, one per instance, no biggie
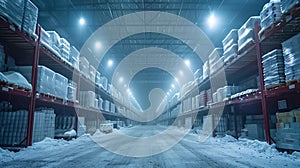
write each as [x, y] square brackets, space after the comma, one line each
[291, 54]
[30, 17]
[61, 86]
[246, 32]
[103, 82]
[45, 78]
[286, 5]
[45, 38]
[84, 66]
[74, 57]
[55, 42]
[270, 14]
[230, 45]
[214, 57]
[13, 10]
[273, 67]
[64, 48]
[92, 73]
[72, 91]
[87, 98]
[205, 70]
[17, 79]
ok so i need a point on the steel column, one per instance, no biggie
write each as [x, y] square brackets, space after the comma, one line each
[262, 83]
[33, 93]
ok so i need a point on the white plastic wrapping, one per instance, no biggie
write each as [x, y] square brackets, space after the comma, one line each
[13, 10]
[55, 42]
[271, 13]
[286, 5]
[205, 70]
[74, 57]
[230, 44]
[246, 32]
[61, 86]
[30, 17]
[84, 66]
[72, 91]
[17, 79]
[104, 83]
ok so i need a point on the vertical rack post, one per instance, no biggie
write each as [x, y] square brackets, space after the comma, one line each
[262, 83]
[34, 83]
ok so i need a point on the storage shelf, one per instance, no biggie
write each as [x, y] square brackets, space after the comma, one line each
[15, 92]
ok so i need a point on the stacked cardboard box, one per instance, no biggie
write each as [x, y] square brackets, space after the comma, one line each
[270, 14]
[291, 54]
[288, 130]
[273, 67]
[246, 34]
[230, 45]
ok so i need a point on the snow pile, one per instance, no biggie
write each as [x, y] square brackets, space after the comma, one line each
[6, 155]
[70, 133]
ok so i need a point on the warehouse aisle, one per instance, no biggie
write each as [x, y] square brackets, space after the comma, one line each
[215, 152]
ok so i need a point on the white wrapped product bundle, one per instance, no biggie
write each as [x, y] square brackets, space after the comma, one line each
[246, 32]
[13, 10]
[17, 79]
[104, 83]
[291, 52]
[55, 42]
[45, 78]
[61, 86]
[84, 66]
[205, 70]
[270, 14]
[72, 91]
[92, 73]
[74, 57]
[230, 39]
[30, 17]
[286, 5]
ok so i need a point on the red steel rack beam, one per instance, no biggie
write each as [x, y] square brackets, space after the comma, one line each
[34, 83]
[262, 83]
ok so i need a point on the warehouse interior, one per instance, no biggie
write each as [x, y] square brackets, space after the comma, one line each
[150, 83]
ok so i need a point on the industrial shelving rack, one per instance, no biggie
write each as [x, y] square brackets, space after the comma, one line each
[249, 61]
[28, 51]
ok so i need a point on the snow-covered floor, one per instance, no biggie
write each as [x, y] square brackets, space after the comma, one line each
[214, 152]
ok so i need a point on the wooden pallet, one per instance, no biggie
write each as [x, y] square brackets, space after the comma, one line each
[292, 82]
[15, 87]
[274, 86]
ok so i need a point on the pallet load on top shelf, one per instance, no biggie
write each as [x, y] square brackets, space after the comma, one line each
[22, 13]
[84, 66]
[246, 33]
[64, 49]
[54, 42]
[230, 45]
[45, 78]
[74, 57]
[273, 67]
[270, 14]
[216, 61]
[286, 5]
[291, 54]
[288, 130]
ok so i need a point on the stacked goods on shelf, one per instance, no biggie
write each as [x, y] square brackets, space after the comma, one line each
[104, 83]
[61, 86]
[2, 58]
[187, 87]
[45, 78]
[30, 17]
[63, 124]
[17, 79]
[209, 96]
[225, 93]
[92, 73]
[287, 5]
[54, 42]
[270, 14]
[74, 57]
[106, 105]
[187, 104]
[84, 66]
[246, 34]
[205, 70]
[243, 93]
[100, 103]
[46, 39]
[14, 125]
[22, 13]
[88, 99]
[254, 127]
[64, 49]
[112, 108]
[198, 75]
[291, 54]
[72, 91]
[98, 78]
[273, 68]
[216, 61]
[288, 130]
[44, 124]
[230, 45]
[200, 99]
